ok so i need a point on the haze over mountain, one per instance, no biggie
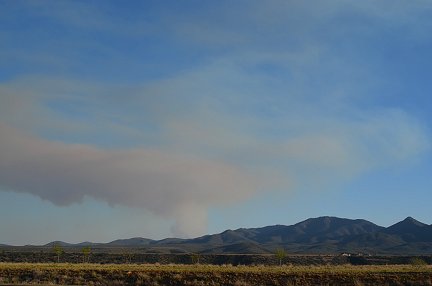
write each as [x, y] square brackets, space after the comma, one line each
[330, 235]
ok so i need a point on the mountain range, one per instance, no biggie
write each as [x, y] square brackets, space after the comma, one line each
[322, 235]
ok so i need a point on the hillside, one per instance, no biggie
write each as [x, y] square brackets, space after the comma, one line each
[326, 235]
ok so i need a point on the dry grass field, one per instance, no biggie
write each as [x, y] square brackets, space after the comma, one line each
[153, 274]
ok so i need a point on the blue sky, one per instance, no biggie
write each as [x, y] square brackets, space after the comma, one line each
[180, 118]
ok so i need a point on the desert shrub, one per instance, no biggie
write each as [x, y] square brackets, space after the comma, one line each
[280, 254]
[417, 261]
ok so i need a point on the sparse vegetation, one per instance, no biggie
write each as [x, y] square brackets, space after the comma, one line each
[280, 254]
[58, 250]
[195, 257]
[128, 254]
[86, 253]
[418, 262]
[154, 274]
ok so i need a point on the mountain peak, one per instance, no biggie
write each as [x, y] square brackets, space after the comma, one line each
[410, 219]
[329, 221]
[413, 221]
[408, 225]
[57, 242]
[131, 241]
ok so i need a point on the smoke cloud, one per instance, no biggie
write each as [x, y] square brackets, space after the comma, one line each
[170, 185]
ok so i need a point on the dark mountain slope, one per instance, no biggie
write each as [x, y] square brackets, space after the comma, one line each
[314, 230]
[411, 230]
[136, 241]
[59, 243]
[226, 237]
[408, 225]
[314, 235]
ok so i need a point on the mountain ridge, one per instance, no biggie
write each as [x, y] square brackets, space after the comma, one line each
[318, 235]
